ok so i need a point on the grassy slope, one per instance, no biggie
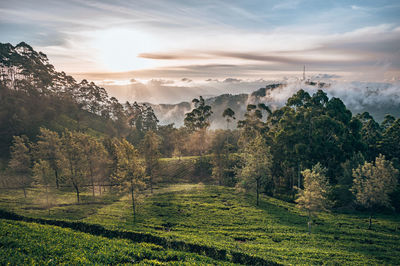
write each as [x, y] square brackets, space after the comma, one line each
[276, 230]
[29, 243]
[224, 218]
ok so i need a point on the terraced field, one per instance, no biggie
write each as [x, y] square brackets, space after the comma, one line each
[24, 243]
[228, 220]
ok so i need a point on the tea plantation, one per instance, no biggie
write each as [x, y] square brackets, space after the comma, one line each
[203, 224]
[24, 243]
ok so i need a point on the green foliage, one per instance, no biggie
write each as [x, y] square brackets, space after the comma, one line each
[150, 151]
[198, 216]
[129, 171]
[342, 190]
[275, 231]
[198, 118]
[314, 196]
[21, 162]
[374, 182]
[256, 165]
[30, 243]
[308, 130]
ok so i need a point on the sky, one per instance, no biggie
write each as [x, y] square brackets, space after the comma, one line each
[167, 51]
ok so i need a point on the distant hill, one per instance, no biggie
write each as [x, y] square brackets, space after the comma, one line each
[22, 67]
[376, 98]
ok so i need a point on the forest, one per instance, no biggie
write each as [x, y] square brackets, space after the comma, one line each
[67, 157]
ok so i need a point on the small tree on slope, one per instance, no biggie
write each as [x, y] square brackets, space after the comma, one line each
[257, 161]
[314, 196]
[373, 183]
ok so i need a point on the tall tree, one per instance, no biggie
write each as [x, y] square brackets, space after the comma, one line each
[74, 165]
[150, 148]
[95, 156]
[253, 124]
[130, 170]
[390, 143]
[21, 162]
[48, 148]
[314, 196]
[43, 174]
[198, 118]
[229, 115]
[373, 183]
[220, 156]
[257, 161]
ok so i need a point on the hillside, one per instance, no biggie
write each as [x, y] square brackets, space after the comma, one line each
[33, 95]
[378, 99]
[225, 219]
[32, 243]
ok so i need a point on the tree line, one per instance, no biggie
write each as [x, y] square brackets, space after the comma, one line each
[80, 160]
[312, 151]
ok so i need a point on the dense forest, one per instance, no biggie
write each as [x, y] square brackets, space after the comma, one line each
[79, 136]
[60, 135]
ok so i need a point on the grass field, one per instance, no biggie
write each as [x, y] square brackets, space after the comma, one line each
[227, 219]
[29, 243]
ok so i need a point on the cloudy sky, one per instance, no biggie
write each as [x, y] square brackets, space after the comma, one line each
[168, 50]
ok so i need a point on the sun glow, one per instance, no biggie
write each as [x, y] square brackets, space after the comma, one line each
[118, 49]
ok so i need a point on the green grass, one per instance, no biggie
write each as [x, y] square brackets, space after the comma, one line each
[62, 204]
[227, 219]
[29, 243]
[224, 218]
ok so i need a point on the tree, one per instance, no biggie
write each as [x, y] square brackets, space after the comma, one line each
[253, 124]
[314, 196]
[257, 161]
[150, 148]
[220, 155]
[390, 143]
[43, 174]
[229, 114]
[373, 183]
[48, 148]
[198, 118]
[371, 133]
[95, 156]
[21, 162]
[343, 194]
[74, 165]
[129, 170]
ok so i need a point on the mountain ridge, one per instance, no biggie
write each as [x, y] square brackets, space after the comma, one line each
[21, 64]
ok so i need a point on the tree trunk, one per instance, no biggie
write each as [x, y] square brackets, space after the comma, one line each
[77, 193]
[133, 200]
[57, 183]
[309, 222]
[24, 192]
[93, 188]
[370, 221]
[298, 176]
[151, 181]
[258, 190]
[47, 198]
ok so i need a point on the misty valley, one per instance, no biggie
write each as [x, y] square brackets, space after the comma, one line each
[200, 133]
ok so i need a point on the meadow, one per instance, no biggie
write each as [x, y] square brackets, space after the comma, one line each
[228, 220]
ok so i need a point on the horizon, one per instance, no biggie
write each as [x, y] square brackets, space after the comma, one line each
[167, 52]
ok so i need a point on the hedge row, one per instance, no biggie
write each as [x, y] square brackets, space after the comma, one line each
[95, 229]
